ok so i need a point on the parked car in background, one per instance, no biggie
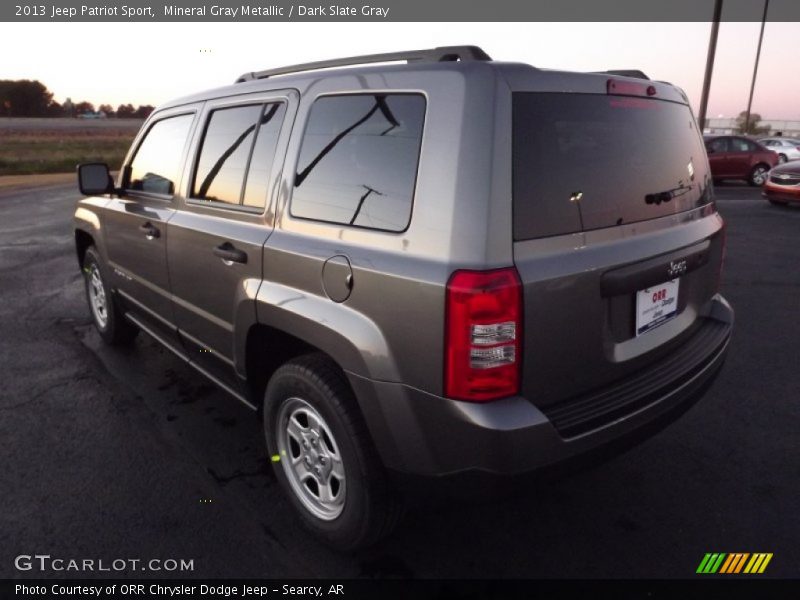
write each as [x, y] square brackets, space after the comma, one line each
[787, 148]
[783, 185]
[736, 157]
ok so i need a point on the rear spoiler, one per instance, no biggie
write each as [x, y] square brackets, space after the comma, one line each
[636, 73]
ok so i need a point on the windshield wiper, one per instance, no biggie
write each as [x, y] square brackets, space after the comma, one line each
[667, 195]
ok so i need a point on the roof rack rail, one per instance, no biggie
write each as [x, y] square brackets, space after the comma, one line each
[441, 54]
[625, 73]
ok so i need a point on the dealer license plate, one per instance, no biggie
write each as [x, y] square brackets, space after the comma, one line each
[656, 305]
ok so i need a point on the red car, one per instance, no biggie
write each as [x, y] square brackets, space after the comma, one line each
[736, 157]
[783, 185]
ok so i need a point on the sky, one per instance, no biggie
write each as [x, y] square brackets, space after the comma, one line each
[144, 63]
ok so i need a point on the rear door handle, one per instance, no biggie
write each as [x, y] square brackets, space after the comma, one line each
[150, 231]
[230, 254]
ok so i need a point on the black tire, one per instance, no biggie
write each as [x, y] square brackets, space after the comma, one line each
[777, 202]
[370, 507]
[114, 329]
[759, 171]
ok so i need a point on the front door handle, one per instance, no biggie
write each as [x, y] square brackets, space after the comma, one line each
[150, 231]
[230, 254]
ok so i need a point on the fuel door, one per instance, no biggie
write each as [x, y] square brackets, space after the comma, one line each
[337, 278]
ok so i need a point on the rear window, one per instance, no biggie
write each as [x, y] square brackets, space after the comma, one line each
[588, 161]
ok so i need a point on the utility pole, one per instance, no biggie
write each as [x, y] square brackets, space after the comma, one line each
[755, 69]
[712, 50]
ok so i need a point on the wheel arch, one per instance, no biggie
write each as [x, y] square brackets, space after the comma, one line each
[349, 339]
[83, 240]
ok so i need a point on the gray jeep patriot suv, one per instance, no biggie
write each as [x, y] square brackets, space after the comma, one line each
[444, 265]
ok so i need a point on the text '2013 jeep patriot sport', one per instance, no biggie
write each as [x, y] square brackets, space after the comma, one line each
[446, 266]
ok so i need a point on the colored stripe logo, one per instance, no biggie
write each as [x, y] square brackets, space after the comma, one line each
[734, 563]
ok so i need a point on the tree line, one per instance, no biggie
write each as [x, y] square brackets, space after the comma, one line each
[26, 98]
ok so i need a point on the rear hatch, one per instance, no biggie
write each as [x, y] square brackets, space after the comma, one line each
[616, 241]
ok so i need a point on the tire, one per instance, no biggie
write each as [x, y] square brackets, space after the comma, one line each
[337, 484]
[106, 316]
[782, 158]
[777, 202]
[758, 176]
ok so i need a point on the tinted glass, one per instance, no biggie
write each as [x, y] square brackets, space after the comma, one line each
[358, 161]
[255, 192]
[226, 148]
[156, 165]
[586, 161]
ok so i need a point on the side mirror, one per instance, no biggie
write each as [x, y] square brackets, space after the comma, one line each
[94, 179]
[709, 150]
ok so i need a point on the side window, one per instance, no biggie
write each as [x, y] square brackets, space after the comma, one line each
[740, 145]
[156, 164]
[718, 145]
[226, 146]
[258, 182]
[236, 154]
[358, 160]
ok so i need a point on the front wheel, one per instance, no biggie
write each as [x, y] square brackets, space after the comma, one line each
[108, 319]
[323, 456]
[758, 175]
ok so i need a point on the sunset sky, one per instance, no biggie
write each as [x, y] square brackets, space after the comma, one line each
[145, 63]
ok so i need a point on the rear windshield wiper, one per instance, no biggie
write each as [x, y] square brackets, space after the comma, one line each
[667, 195]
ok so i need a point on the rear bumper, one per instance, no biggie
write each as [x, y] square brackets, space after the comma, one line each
[423, 434]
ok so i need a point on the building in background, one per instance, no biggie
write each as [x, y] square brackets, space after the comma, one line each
[777, 127]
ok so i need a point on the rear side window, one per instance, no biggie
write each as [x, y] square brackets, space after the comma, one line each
[156, 164]
[588, 161]
[358, 160]
[236, 154]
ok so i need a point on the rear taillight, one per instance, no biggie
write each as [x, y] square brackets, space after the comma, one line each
[483, 332]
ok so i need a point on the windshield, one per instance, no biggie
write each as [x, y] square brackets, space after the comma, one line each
[587, 161]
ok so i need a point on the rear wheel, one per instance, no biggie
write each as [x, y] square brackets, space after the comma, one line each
[107, 318]
[758, 175]
[323, 456]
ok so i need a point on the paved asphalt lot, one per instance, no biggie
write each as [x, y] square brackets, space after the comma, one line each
[130, 454]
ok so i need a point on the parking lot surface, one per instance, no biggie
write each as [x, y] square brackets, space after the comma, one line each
[112, 453]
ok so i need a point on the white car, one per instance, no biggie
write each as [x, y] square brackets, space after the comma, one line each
[786, 148]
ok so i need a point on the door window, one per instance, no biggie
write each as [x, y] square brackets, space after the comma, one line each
[156, 165]
[740, 145]
[258, 175]
[718, 145]
[236, 154]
